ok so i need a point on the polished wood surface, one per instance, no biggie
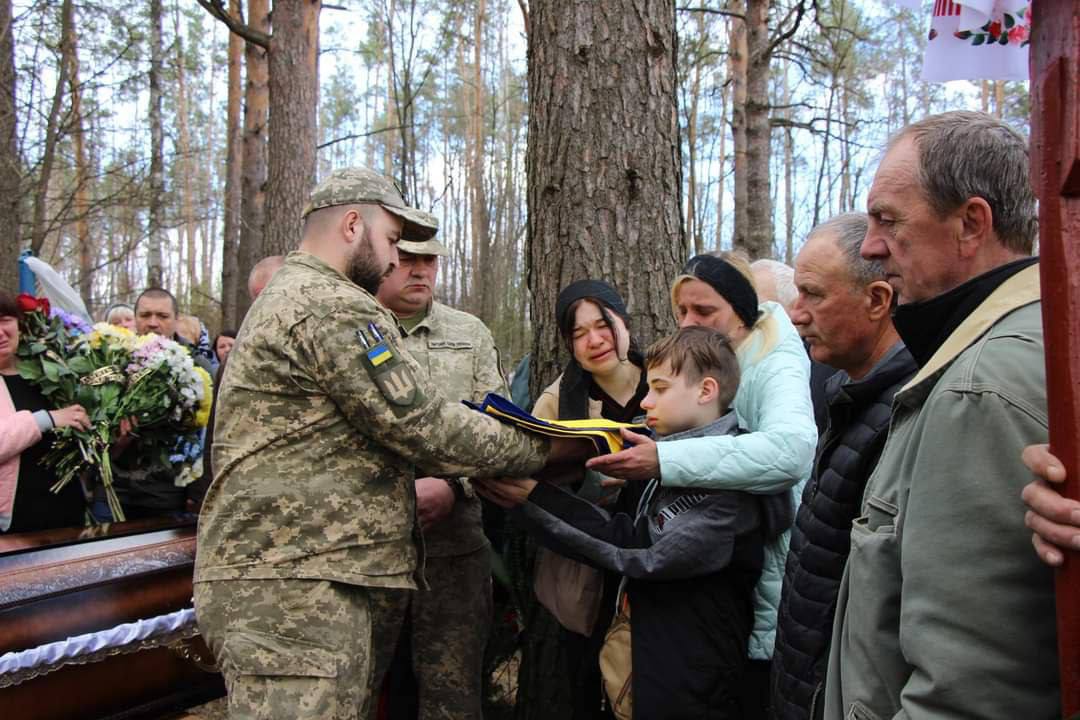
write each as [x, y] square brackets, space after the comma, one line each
[61, 583]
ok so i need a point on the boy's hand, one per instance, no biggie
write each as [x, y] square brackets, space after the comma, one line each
[639, 461]
[506, 493]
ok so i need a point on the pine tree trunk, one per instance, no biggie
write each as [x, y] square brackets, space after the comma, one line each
[187, 171]
[483, 290]
[154, 270]
[737, 69]
[53, 132]
[789, 174]
[293, 130]
[759, 231]
[603, 171]
[81, 204]
[253, 179]
[234, 168]
[603, 163]
[10, 165]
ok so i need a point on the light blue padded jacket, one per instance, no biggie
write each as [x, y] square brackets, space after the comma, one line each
[776, 455]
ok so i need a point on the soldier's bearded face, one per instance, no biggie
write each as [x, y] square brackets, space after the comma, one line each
[364, 268]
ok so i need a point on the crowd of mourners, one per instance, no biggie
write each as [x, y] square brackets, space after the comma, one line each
[823, 507]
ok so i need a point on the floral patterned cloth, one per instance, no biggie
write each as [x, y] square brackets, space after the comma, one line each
[976, 39]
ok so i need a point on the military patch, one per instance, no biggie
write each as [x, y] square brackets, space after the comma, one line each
[390, 373]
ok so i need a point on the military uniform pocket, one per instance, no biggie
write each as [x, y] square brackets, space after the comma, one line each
[263, 654]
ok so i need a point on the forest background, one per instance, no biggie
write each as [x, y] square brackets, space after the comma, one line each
[134, 143]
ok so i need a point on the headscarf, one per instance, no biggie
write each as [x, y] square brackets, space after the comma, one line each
[575, 384]
[728, 282]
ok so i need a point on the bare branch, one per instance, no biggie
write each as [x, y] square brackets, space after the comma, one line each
[358, 136]
[711, 11]
[219, 11]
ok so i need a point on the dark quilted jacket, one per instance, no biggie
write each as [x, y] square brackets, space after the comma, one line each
[858, 423]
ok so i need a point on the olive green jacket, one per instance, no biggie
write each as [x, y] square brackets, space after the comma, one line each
[944, 609]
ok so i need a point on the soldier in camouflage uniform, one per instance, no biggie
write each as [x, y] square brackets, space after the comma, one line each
[451, 619]
[307, 553]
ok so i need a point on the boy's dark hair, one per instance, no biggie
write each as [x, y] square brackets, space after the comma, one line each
[157, 292]
[698, 352]
[9, 306]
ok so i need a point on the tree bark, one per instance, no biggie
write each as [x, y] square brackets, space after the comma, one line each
[53, 133]
[737, 70]
[10, 165]
[154, 273]
[234, 167]
[483, 290]
[187, 170]
[294, 100]
[603, 186]
[253, 179]
[81, 204]
[603, 163]
[759, 231]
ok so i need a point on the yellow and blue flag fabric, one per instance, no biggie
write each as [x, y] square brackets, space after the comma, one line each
[604, 434]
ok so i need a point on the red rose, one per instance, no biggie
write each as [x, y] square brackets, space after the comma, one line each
[995, 29]
[29, 303]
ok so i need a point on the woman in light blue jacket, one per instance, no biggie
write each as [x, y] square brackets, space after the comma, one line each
[773, 404]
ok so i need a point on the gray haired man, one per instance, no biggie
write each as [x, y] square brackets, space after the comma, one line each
[944, 611]
[843, 312]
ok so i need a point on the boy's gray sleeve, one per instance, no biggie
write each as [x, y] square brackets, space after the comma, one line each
[697, 542]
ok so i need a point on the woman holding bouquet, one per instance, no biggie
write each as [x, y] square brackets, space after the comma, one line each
[26, 425]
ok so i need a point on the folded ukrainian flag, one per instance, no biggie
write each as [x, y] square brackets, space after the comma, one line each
[604, 433]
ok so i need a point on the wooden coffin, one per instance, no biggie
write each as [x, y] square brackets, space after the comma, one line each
[61, 584]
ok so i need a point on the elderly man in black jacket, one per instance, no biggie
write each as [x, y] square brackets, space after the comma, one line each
[843, 312]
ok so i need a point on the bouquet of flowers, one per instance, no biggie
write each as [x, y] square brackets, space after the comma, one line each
[148, 381]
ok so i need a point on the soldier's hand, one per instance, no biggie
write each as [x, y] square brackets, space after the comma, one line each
[506, 493]
[566, 460]
[434, 500]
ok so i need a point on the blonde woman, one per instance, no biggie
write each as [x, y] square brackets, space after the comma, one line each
[772, 403]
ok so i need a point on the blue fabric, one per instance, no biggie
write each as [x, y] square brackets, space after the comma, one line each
[776, 455]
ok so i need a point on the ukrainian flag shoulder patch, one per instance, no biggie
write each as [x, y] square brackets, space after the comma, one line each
[379, 354]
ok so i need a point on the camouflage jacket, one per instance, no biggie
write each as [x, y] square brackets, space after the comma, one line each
[315, 422]
[456, 350]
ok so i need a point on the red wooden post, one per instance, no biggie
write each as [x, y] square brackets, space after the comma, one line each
[1055, 172]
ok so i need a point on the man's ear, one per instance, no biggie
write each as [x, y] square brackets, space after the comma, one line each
[352, 225]
[708, 390]
[880, 295]
[977, 225]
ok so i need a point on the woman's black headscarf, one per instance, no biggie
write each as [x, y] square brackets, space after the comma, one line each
[575, 384]
[728, 282]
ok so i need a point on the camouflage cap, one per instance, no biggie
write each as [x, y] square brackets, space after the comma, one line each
[363, 186]
[421, 245]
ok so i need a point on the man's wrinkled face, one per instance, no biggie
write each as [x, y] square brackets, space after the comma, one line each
[918, 249]
[408, 289]
[375, 252]
[830, 312]
[155, 315]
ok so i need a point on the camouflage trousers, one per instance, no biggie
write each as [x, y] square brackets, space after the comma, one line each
[450, 627]
[300, 648]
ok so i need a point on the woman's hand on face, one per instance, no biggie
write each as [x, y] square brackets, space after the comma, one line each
[72, 416]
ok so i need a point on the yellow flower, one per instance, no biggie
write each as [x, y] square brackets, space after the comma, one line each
[202, 415]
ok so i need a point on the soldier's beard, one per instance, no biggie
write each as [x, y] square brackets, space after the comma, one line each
[363, 269]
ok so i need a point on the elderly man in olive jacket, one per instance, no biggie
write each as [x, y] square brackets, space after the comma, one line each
[944, 611]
